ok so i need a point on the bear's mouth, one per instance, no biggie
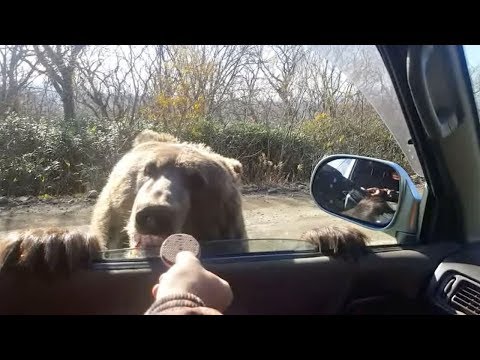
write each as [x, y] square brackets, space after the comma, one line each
[148, 240]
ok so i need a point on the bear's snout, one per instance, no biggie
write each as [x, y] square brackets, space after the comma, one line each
[156, 219]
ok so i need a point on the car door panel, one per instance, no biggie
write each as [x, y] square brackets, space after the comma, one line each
[262, 286]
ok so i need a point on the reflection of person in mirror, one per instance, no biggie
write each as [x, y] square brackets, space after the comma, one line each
[331, 188]
[386, 193]
[344, 196]
[375, 206]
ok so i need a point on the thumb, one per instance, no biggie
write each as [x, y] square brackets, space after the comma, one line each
[185, 257]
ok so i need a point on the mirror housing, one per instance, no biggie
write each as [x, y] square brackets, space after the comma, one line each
[373, 193]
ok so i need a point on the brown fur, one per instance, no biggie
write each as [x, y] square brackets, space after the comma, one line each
[368, 209]
[335, 241]
[210, 206]
[149, 135]
[61, 251]
[47, 250]
[197, 188]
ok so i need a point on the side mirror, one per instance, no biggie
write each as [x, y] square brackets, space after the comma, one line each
[373, 193]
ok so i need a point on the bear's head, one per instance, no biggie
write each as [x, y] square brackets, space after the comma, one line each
[183, 188]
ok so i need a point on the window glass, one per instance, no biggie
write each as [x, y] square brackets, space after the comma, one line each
[68, 114]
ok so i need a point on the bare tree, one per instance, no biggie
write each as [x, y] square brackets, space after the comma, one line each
[17, 71]
[281, 66]
[328, 90]
[93, 89]
[475, 79]
[59, 63]
[207, 74]
[115, 81]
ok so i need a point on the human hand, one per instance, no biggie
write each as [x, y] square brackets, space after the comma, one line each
[188, 275]
[374, 191]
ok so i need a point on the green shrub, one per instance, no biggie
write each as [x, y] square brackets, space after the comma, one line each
[40, 156]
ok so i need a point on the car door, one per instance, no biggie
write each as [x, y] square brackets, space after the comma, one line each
[435, 94]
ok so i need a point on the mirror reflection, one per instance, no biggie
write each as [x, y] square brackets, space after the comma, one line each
[360, 189]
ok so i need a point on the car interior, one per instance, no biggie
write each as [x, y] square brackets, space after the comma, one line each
[434, 269]
[373, 174]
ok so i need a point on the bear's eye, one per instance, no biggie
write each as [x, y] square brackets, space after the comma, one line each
[150, 169]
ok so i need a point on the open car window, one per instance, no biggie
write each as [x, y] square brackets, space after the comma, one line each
[472, 55]
[276, 109]
[362, 68]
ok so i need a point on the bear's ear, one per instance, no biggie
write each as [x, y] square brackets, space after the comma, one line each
[235, 167]
[150, 135]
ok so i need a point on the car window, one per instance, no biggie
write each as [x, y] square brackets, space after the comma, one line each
[69, 113]
[472, 56]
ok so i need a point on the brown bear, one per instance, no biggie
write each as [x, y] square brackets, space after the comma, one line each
[163, 186]
[160, 187]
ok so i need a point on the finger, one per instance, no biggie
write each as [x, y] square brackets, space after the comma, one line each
[154, 291]
[160, 278]
[184, 257]
[228, 293]
[225, 283]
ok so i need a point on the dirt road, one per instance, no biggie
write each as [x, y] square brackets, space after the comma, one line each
[273, 216]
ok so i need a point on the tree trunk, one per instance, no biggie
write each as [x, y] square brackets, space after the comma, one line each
[68, 107]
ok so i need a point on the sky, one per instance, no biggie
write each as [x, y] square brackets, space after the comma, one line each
[472, 53]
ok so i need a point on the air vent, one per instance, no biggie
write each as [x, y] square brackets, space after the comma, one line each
[466, 298]
[448, 286]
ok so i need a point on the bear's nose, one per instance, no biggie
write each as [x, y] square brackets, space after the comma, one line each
[154, 220]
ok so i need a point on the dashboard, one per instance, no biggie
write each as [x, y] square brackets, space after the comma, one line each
[455, 285]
